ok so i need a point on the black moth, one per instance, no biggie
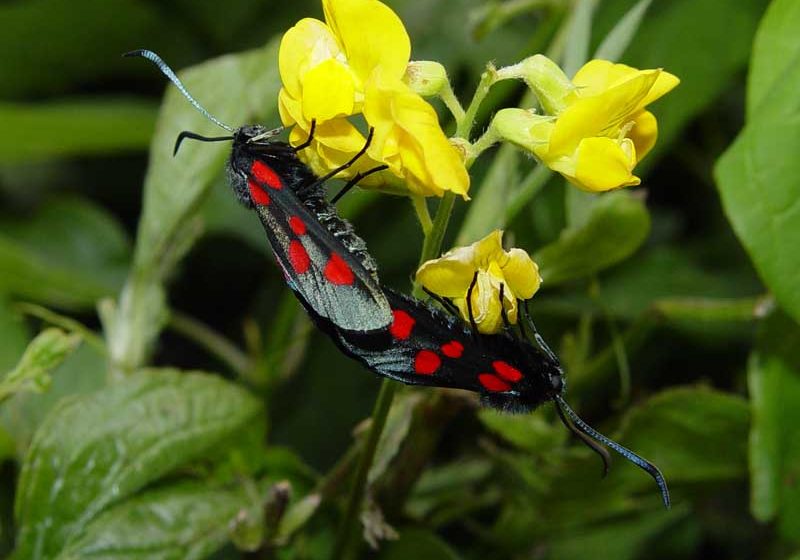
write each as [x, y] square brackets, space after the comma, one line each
[330, 271]
[426, 346]
[322, 258]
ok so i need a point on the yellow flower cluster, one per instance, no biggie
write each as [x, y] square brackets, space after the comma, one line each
[596, 128]
[593, 130]
[354, 63]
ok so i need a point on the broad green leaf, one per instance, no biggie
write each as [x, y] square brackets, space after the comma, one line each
[756, 178]
[73, 128]
[182, 521]
[774, 382]
[94, 451]
[620, 539]
[658, 274]
[617, 226]
[238, 89]
[69, 254]
[692, 434]
[45, 353]
[418, 544]
[82, 372]
[776, 51]
[525, 431]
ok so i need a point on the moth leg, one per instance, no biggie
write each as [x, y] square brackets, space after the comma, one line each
[444, 302]
[307, 143]
[344, 166]
[352, 182]
[503, 314]
[469, 305]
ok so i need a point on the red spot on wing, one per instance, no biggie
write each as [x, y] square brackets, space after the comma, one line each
[266, 175]
[338, 272]
[493, 383]
[507, 372]
[297, 225]
[426, 362]
[453, 349]
[258, 194]
[298, 256]
[402, 324]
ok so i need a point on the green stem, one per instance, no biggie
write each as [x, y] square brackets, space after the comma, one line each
[451, 102]
[379, 416]
[464, 127]
[421, 208]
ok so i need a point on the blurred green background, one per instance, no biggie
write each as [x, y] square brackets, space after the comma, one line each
[673, 306]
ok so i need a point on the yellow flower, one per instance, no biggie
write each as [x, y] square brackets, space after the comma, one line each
[600, 128]
[452, 275]
[354, 63]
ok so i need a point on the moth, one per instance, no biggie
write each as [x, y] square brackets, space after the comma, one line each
[322, 258]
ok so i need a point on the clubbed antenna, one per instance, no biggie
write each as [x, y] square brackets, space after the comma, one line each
[584, 428]
[167, 71]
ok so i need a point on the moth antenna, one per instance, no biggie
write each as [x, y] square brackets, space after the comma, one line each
[643, 464]
[193, 136]
[593, 445]
[537, 337]
[167, 71]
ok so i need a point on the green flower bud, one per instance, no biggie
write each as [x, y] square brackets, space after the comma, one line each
[545, 79]
[425, 77]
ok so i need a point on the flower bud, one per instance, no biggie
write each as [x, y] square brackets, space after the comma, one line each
[522, 127]
[425, 77]
[545, 79]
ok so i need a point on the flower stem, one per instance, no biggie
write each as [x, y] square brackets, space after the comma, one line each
[488, 78]
[451, 102]
[379, 415]
[424, 217]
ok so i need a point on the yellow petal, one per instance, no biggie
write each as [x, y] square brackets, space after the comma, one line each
[289, 109]
[409, 139]
[305, 45]
[447, 277]
[370, 34]
[328, 91]
[600, 115]
[485, 303]
[665, 83]
[597, 75]
[603, 164]
[644, 133]
[521, 274]
[488, 250]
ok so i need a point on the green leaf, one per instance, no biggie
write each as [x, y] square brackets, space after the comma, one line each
[394, 433]
[45, 353]
[13, 333]
[418, 544]
[692, 434]
[82, 372]
[774, 382]
[619, 539]
[70, 128]
[776, 52]
[93, 452]
[617, 225]
[756, 180]
[525, 431]
[579, 34]
[68, 254]
[186, 521]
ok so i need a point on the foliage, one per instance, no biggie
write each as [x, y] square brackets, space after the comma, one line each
[674, 305]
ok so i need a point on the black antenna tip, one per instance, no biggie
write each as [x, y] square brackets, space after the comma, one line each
[137, 52]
